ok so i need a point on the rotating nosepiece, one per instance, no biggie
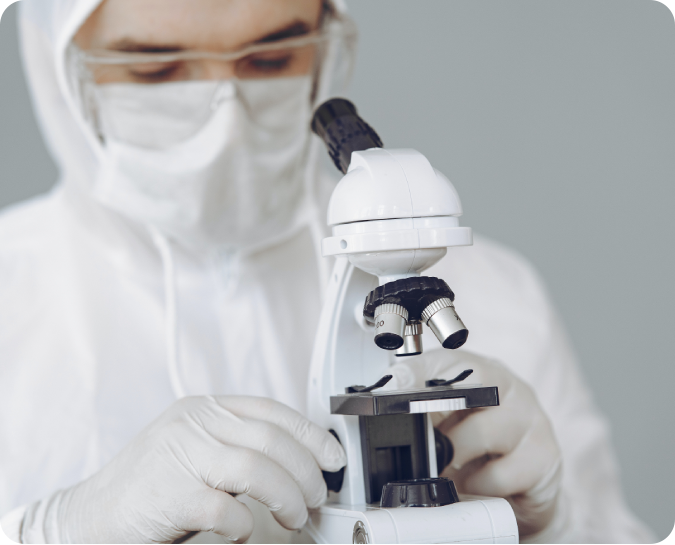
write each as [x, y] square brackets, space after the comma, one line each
[399, 308]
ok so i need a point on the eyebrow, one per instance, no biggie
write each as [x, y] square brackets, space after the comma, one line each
[129, 45]
[294, 29]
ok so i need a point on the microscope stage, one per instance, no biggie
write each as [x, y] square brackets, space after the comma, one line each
[433, 399]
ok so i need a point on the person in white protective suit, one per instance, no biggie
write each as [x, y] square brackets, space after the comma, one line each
[158, 307]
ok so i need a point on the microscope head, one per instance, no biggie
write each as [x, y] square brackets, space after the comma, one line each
[393, 216]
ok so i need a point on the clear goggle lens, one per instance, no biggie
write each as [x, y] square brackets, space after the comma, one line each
[284, 58]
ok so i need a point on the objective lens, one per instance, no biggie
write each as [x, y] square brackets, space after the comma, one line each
[390, 322]
[449, 329]
[412, 340]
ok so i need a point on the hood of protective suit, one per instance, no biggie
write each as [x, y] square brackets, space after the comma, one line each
[138, 229]
[128, 321]
[273, 213]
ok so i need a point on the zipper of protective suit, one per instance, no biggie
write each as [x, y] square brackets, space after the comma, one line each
[171, 311]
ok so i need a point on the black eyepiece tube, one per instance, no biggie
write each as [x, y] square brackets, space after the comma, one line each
[343, 131]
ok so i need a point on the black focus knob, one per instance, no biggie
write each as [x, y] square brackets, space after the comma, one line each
[339, 125]
[419, 493]
[334, 479]
[445, 452]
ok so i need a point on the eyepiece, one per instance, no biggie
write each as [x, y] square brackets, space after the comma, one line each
[329, 111]
[343, 131]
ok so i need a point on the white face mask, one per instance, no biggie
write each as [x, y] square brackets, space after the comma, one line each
[233, 181]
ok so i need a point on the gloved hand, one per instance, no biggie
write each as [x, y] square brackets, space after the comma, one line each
[180, 474]
[508, 451]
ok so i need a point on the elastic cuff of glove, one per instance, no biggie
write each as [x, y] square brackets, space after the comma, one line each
[40, 521]
[12, 522]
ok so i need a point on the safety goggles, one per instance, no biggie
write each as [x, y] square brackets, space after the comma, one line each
[97, 73]
[280, 59]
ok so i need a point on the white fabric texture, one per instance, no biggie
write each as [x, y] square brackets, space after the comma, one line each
[233, 185]
[83, 321]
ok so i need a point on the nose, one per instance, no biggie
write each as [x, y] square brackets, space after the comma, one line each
[214, 69]
[226, 90]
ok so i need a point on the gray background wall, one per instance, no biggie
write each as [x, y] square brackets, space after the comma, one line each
[555, 119]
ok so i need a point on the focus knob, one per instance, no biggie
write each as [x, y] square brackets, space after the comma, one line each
[419, 493]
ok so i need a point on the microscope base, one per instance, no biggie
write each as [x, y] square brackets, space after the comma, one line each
[472, 520]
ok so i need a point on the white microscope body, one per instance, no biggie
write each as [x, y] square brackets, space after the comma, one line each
[392, 216]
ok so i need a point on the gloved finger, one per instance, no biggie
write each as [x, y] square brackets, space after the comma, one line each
[239, 470]
[277, 444]
[492, 431]
[494, 478]
[218, 512]
[444, 421]
[326, 450]
[517, 472]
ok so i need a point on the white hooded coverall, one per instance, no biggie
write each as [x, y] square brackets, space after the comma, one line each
[82, 321]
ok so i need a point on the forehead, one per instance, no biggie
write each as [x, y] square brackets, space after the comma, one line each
[197, 24]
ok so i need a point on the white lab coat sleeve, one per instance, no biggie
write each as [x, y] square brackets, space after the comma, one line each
[11, 523]
[593, 509]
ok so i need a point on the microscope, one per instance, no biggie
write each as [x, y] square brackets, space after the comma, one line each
[392, 217]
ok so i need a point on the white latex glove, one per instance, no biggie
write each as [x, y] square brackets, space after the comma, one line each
[508, 451]
[180, 474]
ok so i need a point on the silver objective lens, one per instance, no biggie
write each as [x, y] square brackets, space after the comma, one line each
[412, 340]
[441, 317]
[390, 322]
